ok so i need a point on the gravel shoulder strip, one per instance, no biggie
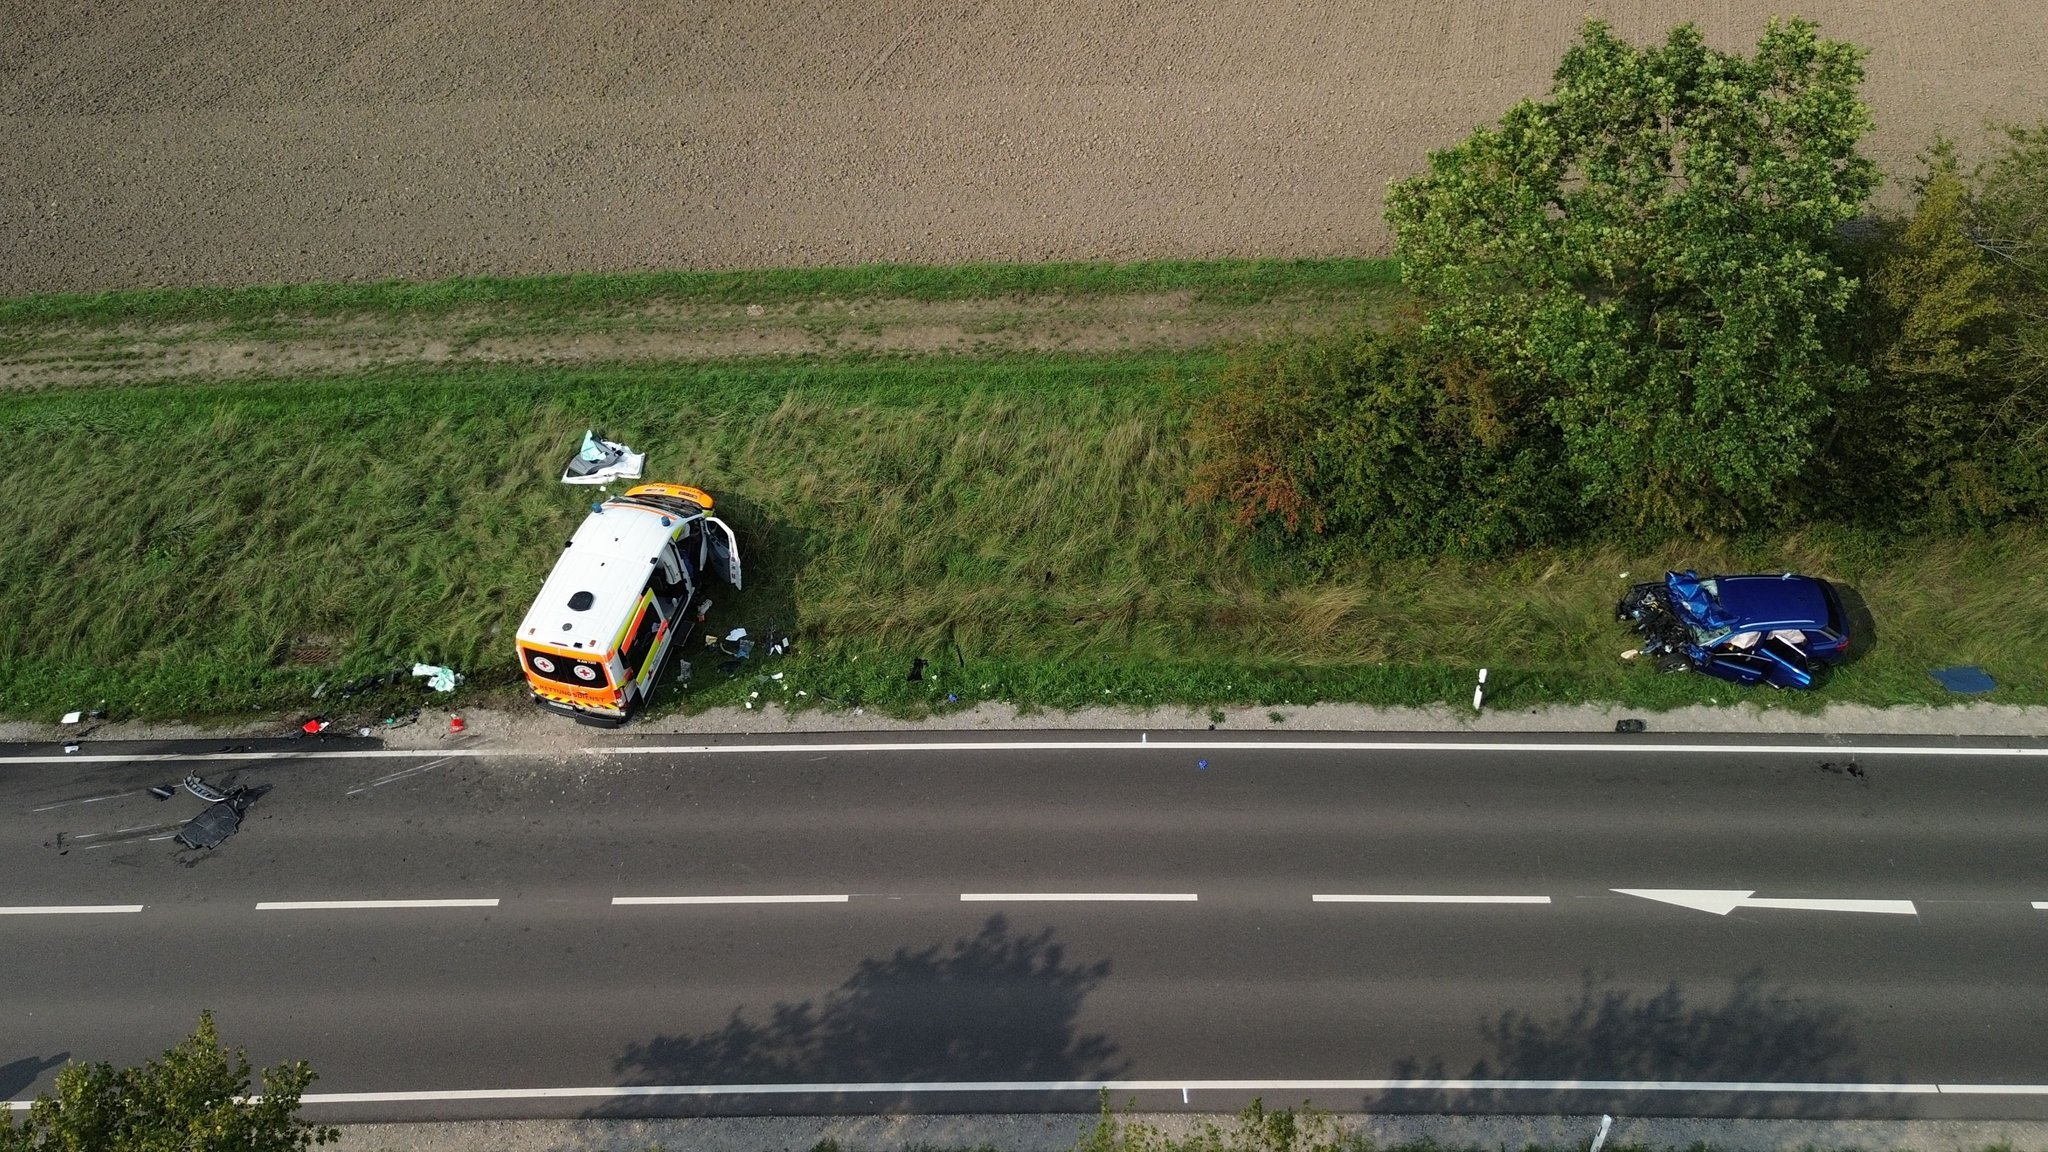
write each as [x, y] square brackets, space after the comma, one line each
[530, 730]
[1058, 1133]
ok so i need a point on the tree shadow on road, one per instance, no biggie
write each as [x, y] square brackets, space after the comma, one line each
[17, 1075]
[1756, 1035]
[998, 1005]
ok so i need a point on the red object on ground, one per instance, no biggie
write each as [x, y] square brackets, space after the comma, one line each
[313, 726]
[455, 724]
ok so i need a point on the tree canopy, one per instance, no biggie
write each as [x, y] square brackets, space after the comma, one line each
[1649, 253]
[193, 1099]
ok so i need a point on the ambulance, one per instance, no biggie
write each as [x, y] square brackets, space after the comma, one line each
[627, 586]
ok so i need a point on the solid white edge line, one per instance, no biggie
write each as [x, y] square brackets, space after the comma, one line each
[1078, 746]
[1082, 897]
[324, 905]
[2041, 903]
[729, 899]
[67, 909]
[1343, 898]
[855, 1089]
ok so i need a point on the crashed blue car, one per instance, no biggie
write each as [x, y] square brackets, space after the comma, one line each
[1779, 630]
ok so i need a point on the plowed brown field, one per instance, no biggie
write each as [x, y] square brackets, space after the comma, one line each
[237, 141]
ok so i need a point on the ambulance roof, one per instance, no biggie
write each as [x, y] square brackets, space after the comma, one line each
[609, 558]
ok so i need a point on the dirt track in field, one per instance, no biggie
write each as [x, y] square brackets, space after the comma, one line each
[241, 141]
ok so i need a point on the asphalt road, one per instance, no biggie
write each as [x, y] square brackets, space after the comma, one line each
[982, 923]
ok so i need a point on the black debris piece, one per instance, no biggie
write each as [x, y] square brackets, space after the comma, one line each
[917, 669]
[211, 827]
[234, 748]
[221, 818]
[1630, 725]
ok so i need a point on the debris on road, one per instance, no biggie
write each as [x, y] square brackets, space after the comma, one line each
[1631, 725]
[200, 788]
[315, 726]
[222, 815]
[163, 791]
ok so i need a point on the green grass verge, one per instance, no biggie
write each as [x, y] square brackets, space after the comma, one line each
[1228, 280]
[1021, 524]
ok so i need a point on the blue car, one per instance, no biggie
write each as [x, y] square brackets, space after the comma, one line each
[1779, 630]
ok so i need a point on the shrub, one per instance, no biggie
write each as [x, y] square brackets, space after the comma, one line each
[1371, 439]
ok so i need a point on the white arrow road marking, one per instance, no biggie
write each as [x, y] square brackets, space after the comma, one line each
[1721, 902]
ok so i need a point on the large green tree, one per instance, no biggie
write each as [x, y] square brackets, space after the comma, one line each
[194, 1099]
[1649, 251]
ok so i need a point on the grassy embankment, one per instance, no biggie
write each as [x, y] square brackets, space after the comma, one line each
[1021, 523]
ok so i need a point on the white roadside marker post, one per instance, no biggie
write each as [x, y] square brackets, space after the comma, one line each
[1606, 1122]
[1479, 692]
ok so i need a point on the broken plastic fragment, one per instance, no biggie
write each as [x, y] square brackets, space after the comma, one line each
[203, 790]
[72, 718]
[736, 635]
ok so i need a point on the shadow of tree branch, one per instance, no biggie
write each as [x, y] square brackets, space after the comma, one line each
[998, 1005]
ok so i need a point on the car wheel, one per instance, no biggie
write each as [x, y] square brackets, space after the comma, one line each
[1673, 662]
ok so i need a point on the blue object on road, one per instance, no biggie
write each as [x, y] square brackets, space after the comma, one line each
[1965, 678]
[1201, 765]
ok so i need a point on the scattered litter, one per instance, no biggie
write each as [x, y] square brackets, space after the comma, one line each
[401, 720]
[952, 699]
[163, 791]
[320, 690]
[736, 635]
[72, 718]
[600, 461]
[1201, 765]
[365, 730]
[70, 746]
[438, 678]
[457, 724]
[314, 727]
[1964, 678]
[1631, 653]
[775, 676]
[1631, 725]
